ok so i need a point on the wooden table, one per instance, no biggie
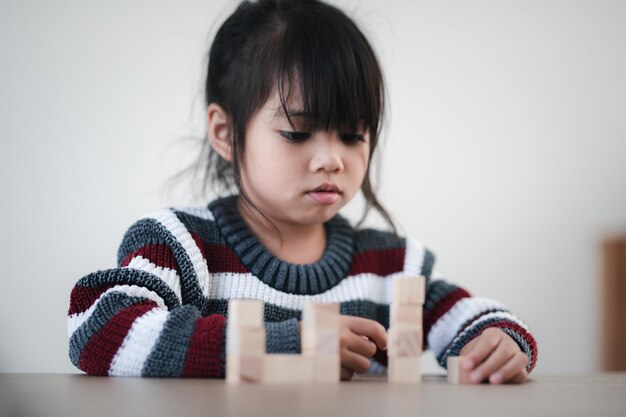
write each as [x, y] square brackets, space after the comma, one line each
[80, 395]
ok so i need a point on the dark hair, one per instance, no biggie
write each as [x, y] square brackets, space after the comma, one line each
[275, 45]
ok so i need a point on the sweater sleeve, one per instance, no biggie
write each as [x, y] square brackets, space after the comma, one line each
[148, 317]
[453, 317]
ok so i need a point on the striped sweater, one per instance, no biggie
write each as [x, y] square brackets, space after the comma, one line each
[162, 312]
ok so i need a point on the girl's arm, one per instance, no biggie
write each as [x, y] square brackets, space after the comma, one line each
[132, 321]
[453, 319]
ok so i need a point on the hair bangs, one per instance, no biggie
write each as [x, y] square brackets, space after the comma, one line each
[335, 82]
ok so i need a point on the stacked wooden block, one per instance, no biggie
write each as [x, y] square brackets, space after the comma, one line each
[405, 330]
[247, 361]
[320, 340]
[245, 341]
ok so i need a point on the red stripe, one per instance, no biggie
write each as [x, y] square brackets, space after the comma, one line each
[378, 261]
[96, 357]
[205, 348]
[158, 253]
[442, 307]
[219, 258]
[82, 298]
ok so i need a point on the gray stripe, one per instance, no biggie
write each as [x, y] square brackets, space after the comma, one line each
[170, 351]
[428, 263]
[140, 234]
[270, 272]
[147, 231]
[292, 278]
[281, 276]
[274, 313]
[482, 313]
[282, 337]
[202, 227]
[303, 282]
[368, 310]
[263, 260]
[524, 346]
[129, 276]
[252, 255]
[314, 281]
[245, 244]
[107, 307]
[330, 277]
[436, 291]
[189, 286]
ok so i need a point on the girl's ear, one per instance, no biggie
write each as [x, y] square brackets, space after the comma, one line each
[219, 131]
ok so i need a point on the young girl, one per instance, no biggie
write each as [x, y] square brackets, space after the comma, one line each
[294, 98]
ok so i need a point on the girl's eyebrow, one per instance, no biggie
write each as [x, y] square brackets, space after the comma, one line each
[296, 113]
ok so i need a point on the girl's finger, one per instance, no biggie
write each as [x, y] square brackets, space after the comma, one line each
[499, 357]
[519, 378]
[354, 362]
[346, 374]
[486, 343]
[368, 328]
[513, 371]
[359, 344]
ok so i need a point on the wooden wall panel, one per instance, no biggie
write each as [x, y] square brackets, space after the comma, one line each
[614, 304]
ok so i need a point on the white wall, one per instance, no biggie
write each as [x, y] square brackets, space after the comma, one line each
[506, 149]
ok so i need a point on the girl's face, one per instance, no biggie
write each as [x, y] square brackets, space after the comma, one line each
[296, 176]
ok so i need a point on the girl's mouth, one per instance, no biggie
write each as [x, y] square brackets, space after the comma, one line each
[324, 197]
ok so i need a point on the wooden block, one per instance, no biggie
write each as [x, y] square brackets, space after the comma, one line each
[405, 342]
[246, 341]
[245, 313]
[407, 315]
[327, 369]
[288, 369]
[320, 316]
[244, 369]
[408, 290]
[456, 374]
[404, 369]
[320, 342]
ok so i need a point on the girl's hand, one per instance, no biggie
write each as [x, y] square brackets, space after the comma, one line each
[496, 356]
[358, 338]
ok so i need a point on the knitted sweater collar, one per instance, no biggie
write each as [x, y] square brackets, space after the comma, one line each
[313, 278]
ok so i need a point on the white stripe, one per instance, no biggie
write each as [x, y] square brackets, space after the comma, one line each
[500, 315]
[74, 321]
[197, 211]
[168, 219]
[363, 287]
[447, 327]
[167, 275]
[138, 343]
[414, 257]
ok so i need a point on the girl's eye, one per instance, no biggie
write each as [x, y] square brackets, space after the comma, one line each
[352, 138]
[296, 137]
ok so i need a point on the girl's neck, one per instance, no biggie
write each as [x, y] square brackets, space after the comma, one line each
[300, 244]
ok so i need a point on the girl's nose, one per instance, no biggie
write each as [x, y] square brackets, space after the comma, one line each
[327, 154]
